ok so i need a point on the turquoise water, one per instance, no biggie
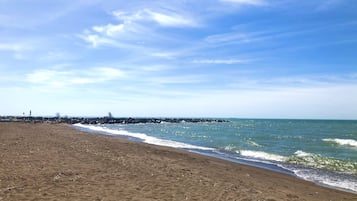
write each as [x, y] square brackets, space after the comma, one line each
[322, 151]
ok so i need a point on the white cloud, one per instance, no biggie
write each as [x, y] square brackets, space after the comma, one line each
[48, 77]
[304, 81]
[109, 30]
[246, 2]
[106, 73]
[97, 40]
[287, 102]
[219, 61]
[43, 76]
[165, 55]
[11, 47]
[229, 37]
[170, 20]
[17, 49]
[58, 78]
[179, 79]
[127, 17]
[56, 55]
[33, 13]
[136, 27]
[82, 81]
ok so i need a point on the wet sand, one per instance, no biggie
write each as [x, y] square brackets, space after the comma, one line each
[57, 162]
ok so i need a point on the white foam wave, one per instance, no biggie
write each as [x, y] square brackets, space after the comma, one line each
[323, 162]
[253, 143]
[230, 147]
[347, 183]
[344, 142]
[262, 155]
[300, 153]
[145, 138]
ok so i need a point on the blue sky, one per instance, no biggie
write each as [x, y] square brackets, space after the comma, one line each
[198, 58]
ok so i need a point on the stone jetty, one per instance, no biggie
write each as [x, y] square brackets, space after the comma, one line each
[103, 120]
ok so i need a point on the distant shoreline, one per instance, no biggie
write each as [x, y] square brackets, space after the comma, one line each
[103, 120]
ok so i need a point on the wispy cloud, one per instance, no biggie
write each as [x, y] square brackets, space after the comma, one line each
[12, 47]
[17, 49]
[61, 78]
[244, 37]
[228, 37]
[246, 2]
[135, 27]
[303, 82]
[163, 18]
[165, 55]
[170, 20]
[154, 76]
[279, 36]
[219, 61]
[97, 40]
[178, 79]
[32, 13]
[110, 29]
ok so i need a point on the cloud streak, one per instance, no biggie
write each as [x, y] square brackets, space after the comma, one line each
[219, 61]
[246, 2]
[170, 20]
[58, 78]
[134, 27]
[12, 47]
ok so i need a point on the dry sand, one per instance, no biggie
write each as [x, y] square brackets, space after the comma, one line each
[58, 162]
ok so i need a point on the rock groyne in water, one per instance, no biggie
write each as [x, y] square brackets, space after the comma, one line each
[104, 120]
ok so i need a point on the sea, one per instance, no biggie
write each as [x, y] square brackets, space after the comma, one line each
[320, 151]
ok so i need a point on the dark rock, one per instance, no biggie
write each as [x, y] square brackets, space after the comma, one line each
[104, 120]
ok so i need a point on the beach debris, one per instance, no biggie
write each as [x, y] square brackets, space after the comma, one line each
[57, 177]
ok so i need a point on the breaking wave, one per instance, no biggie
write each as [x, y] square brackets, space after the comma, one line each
[343, 142]
[321, 162]
[143, 137]
[261, 155]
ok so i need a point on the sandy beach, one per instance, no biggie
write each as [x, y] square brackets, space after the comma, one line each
[57, 162]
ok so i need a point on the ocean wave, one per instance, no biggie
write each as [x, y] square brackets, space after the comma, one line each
[340, 181]
[304, 159]
[252, 143]
[300, 153]
[262, 155]
[230, 147]
[321, 162]
[344, 142]
[145, 138]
